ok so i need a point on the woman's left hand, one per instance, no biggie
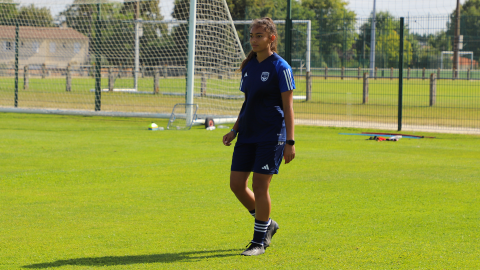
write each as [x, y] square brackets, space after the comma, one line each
[289, 153]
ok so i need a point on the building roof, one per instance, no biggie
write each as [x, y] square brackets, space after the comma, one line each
[31, 32]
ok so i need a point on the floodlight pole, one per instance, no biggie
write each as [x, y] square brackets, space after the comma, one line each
[191, 59]
[372, 44]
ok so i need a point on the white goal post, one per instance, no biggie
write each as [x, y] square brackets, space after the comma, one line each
[459, 53]
[80, 60]
[123, 58]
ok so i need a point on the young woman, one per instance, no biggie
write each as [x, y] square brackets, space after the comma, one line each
[265, 130]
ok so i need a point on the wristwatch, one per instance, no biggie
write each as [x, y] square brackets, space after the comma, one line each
[291, 142]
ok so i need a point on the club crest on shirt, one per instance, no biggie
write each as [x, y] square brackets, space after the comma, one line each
[264, 76]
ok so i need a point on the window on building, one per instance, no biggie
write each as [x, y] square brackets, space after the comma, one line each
[53, 47]
[8, 46]
[76, 47]
[35, 46]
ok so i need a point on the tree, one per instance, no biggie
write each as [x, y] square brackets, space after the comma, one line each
[387, 41]
[387, 49]
[33, 16]
[239, 8]
[8, 12]
[117, 29]
[276, 9]
[333, 31]
[469, 27]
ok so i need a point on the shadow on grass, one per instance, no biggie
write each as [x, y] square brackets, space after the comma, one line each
[137, 259]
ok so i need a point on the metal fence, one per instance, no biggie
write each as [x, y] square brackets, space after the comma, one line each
[346, 92]
[340, 89]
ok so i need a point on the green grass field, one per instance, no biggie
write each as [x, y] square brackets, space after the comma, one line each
[106, 193]
[457, 103]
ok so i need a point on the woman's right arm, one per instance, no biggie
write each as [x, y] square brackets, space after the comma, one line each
[228, 138]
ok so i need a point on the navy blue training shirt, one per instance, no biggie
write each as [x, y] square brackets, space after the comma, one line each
[261, 116]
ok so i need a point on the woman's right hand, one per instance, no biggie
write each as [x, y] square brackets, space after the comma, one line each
[228, 138]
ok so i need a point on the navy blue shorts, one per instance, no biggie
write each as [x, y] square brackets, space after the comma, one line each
[264, 157]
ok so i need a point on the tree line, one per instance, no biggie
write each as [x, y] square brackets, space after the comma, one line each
[339, 37]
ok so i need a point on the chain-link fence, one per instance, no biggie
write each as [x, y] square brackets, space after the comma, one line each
[138, 63]
[346, 90]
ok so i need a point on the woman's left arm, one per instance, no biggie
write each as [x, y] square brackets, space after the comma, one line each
[287, 102]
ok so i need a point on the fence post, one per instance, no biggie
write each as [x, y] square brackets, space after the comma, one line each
[433, 89]
[44, 71]
[69, 79]
[165, 71]
[391, 73]
[156, 81]
[375, 75]
[365, 88]
[326, 73]
[359, 72]
[203, 85]
[90, 68]
[111, 79]
[438, 73]
[309, 87]
[120, 70]
[454, 73]
[423, 74]
[408, 74]
[468, 74]
[26, 77]
[342, 72]
[400, 75]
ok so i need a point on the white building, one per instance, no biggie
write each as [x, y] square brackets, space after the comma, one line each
[52, 46]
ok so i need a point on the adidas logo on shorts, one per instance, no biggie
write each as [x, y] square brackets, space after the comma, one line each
[265, 167]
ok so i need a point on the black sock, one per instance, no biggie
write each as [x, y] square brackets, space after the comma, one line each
[260, 230]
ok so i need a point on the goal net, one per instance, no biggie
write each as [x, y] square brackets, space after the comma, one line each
[117, 57]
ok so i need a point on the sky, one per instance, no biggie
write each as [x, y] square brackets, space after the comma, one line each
[404, 8]
[363, 8]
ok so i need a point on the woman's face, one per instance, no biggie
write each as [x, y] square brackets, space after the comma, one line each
[260, 39]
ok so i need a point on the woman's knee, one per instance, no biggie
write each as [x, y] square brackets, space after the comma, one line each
[238, 181]
[261, 183]
[259, 189]
[237, 187]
